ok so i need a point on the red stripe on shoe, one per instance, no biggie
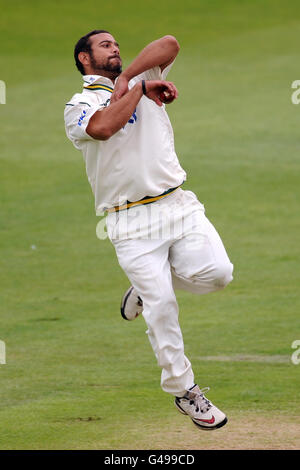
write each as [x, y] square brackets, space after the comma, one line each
[208, 421]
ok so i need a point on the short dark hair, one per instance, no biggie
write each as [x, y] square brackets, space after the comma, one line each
[83, 45]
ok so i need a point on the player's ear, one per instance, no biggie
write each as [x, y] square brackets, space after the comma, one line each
[84, 58]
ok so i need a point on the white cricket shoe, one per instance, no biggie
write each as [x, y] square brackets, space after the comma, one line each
[201, 411]
[131, 305]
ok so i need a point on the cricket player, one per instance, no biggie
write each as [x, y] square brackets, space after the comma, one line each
[162, 238]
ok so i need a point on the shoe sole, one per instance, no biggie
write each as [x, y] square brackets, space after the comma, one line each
[205, 428]
[124, 302]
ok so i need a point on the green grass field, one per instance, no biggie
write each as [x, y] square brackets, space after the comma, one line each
[76, 375]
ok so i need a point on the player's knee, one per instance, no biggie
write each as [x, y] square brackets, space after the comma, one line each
[223, 275]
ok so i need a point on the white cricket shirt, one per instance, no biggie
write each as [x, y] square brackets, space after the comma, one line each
[136, 162]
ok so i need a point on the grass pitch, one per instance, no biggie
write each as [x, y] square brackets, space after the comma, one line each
[77, 376]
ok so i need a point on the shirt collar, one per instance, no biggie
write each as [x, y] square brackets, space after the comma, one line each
[96, 79]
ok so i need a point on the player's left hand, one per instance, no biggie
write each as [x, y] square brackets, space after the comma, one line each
[120, 89]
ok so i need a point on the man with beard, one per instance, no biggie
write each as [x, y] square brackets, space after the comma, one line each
[161, 235]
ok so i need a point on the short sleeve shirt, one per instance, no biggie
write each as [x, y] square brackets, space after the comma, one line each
[137, 161]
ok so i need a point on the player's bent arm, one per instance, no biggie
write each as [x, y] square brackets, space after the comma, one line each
[103, 124]
[161, 52]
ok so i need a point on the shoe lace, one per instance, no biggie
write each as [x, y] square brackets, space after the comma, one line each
[199, 400]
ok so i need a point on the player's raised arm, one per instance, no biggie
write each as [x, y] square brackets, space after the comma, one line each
[161, 52]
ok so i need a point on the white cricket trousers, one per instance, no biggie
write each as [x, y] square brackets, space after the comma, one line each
[166, 245]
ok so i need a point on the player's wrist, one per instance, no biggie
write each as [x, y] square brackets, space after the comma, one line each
[125, 75]
[137, 90]
[140, 87]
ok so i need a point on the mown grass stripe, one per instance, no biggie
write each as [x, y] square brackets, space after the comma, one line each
[279, 359]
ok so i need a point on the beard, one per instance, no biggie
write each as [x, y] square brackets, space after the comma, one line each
[115, 69]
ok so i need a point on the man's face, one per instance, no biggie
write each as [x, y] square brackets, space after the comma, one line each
[105, 55]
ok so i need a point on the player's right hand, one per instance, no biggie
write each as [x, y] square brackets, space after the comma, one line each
[161, 91]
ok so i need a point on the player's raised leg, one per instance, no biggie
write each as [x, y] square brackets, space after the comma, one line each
[199, 260]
